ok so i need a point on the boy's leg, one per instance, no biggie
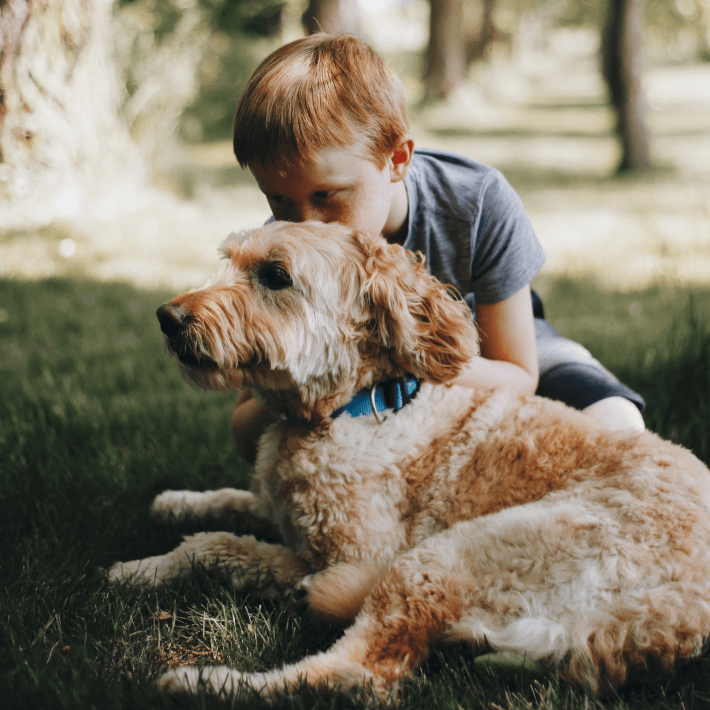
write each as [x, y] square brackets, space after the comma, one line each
[569, 373]
[249, 419]
[616, 413]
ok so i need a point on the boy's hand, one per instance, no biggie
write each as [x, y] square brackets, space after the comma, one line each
[508, 350]
[488, 374]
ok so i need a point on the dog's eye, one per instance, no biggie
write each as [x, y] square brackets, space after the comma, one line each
[273, 277]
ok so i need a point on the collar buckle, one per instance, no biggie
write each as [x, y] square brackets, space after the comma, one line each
[373, 403]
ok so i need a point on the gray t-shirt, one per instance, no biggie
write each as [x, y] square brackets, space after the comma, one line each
[471, 226]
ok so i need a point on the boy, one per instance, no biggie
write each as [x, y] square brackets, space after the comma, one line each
[322, 125]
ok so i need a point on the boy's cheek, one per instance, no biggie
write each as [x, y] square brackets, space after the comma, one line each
[352, 218]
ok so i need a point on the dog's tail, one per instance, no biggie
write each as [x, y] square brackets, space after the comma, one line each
[337, 593]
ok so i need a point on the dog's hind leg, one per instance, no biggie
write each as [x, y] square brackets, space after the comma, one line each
[337, 593]
[225, 506]
[407, 612]
[265, 568]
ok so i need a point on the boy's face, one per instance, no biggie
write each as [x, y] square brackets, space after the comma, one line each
[336, 185]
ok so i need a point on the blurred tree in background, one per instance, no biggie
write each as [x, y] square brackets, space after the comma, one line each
[484, 31]
[61, 131]
[93, 90]
[446, 50]
[460, 33]
[185, 62]
[159, 47]
[333, 16]
[242, 32]
[622, 67]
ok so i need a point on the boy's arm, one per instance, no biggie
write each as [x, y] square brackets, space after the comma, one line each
[508, 351]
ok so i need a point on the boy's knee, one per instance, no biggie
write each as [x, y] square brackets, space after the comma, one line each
[616, 413]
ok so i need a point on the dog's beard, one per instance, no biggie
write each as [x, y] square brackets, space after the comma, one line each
[191, 350]
[214, 378]
[209, 366]
[192, 360]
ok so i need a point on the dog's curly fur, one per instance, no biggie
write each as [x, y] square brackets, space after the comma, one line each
[509, 522]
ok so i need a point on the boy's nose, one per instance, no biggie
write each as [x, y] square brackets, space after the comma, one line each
[304, 213]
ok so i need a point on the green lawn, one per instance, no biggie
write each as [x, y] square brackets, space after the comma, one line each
[96, 419]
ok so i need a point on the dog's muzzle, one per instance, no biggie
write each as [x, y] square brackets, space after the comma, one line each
[174, 322]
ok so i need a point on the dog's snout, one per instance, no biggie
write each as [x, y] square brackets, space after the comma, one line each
[172, 318]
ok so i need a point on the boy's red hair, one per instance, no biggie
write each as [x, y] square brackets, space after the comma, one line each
[322, 91]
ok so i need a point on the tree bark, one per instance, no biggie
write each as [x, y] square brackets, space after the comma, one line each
[62, 136]
[333, 17]
[446, 53]
[622, 67]
[478, 44]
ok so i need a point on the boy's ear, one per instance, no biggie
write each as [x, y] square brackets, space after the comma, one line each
[401, 158]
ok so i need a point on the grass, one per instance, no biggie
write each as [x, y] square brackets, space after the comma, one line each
[656, 340]
[96, 419]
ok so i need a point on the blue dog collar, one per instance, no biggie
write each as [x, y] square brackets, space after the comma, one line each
[393, 394]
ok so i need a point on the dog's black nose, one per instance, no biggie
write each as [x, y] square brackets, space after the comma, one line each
[172, 318]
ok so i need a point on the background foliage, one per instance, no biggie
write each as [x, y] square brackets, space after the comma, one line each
[233, 35]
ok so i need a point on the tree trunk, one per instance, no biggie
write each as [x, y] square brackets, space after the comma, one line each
[622, 64]
[478, 43]
[446, 53]
[62, 137]
[333, 17]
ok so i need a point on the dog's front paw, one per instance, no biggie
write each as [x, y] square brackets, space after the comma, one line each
[213, 680]
[177, 506]
[180, 680]
[150, 573]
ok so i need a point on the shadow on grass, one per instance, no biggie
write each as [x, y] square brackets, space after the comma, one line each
[96, 419]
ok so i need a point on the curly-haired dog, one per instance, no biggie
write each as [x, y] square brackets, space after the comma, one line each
[506, 521]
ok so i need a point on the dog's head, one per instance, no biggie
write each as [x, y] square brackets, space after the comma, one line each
[313, 312]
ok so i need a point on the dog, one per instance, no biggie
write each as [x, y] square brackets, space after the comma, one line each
[418, 511]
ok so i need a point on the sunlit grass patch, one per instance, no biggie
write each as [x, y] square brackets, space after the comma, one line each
[221, 627]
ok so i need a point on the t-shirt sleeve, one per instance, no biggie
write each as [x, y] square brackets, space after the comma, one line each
[507, 253]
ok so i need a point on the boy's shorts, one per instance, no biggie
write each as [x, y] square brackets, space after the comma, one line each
[568, 371]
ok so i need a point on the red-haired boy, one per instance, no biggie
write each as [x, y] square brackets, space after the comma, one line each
[322, 125]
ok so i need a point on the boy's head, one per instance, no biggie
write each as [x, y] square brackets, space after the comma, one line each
[319, 92]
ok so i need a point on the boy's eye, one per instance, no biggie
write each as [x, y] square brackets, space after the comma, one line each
[323, 194]
[273, 276]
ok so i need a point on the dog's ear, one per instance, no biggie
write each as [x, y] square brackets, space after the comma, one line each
[430, 332]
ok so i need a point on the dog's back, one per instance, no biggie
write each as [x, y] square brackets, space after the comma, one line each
[532, 531]
[454, 455]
